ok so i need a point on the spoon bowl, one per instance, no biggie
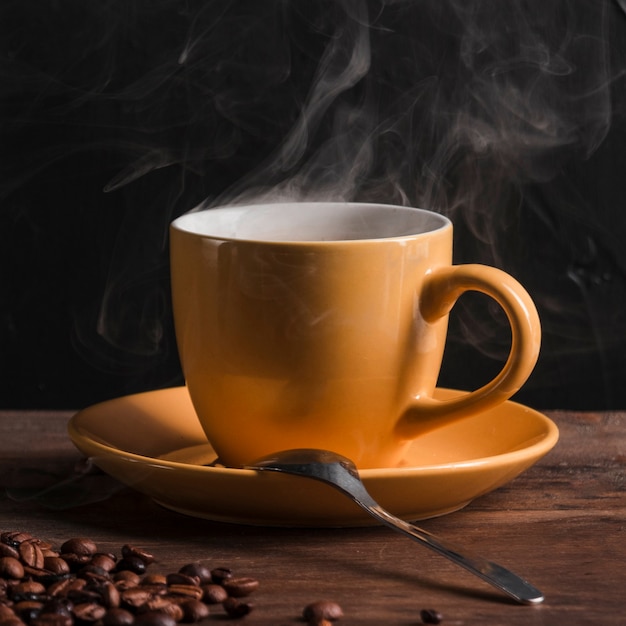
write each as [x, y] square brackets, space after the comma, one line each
[341, 473]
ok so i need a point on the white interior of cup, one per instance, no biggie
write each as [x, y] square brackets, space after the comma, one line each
[310, 221]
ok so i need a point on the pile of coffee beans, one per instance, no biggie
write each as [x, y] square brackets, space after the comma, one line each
[78, 585]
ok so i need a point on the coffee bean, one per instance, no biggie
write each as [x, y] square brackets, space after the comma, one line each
[6, 612]
[188, 591]
[177, 578]
[61, 606]
[6, 550]
[132, 563]
[105, 562]
[27, 609]
[67, 587]
[154, 618]
[327, 610]
[126, 579]
[154, 579]
[35, 572]
[135, 597]
[31, 554]
[199, 571]
[91, 573]
[75, 561]
[52, 619]
[56, 565]
[132, 551]
[240, 587]
[236, 608]
[27, 587]
[13, 621]
[89, 612]
[220, 574]
[163, 605]
[83, 596]
[118, 617]
[14, 537]
[81, 546]
[430, 616]
[194, 611]
[213, 594]
[110, 595]
[10, 567]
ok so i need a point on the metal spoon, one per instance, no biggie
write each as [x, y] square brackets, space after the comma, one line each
[341, 473]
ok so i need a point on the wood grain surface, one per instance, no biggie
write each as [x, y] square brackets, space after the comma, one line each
[561, 524]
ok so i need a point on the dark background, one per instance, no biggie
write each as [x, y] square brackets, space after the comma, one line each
[118, 116]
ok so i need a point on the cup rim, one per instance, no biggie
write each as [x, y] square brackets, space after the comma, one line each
[189, 223]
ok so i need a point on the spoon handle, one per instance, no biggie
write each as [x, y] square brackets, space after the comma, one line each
[494, 574]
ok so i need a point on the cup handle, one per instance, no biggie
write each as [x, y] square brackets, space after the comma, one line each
[442, 287]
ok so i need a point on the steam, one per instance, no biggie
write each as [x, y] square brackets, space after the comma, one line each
[496, 114]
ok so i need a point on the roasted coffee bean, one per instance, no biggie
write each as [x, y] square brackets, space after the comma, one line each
[154, 579]
[238, 587]
[30, 587]
[118, 617]
[6, 612]
[154, 618]
[14, 537]
[176, 578]
[52, 619]
[10, 567]
[62, 606]
[80, 546]
[328, 610]
[236, 608]
[64, 587]
[110, 595]
[35, 572]
[27, 609]
[28, 597]
[105, 562]
[188, 591]
[135, 597]
[199, 571]
[430, 616]
[155, 590]
[220, 574]
[89, 612]
[132, 564]
[75, 561]
[56, 565]
[7, 550]
[91, 573]
[213, 594]
[83, 596]
[163, 605]
[31, 554]
[12, 621]
[126, 579]
[194, 611]
[132, 551]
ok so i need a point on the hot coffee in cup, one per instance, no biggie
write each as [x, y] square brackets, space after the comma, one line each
[323, 325]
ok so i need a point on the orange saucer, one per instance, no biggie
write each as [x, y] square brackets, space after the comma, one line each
[153, 442]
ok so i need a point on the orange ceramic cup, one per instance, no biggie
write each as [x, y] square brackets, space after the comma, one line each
[323, 325]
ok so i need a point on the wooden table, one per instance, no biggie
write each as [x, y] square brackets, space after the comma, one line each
[562, 525]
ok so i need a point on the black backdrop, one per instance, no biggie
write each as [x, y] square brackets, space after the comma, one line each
[118, 116]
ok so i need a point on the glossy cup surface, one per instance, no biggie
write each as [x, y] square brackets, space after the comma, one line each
[324, 324]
